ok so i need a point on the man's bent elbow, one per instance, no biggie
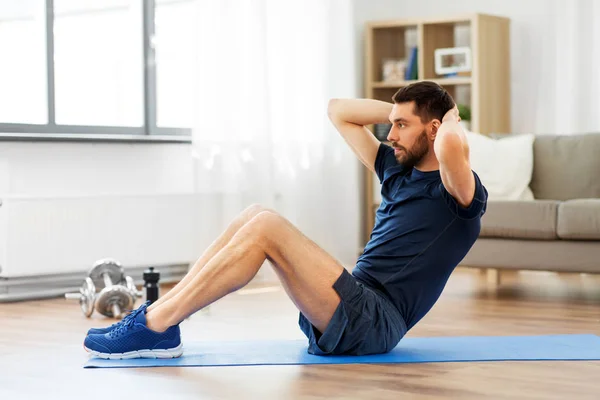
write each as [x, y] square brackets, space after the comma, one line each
[449, 145]
[332, 108]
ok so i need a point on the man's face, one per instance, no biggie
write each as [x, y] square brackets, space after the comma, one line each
[408, 135]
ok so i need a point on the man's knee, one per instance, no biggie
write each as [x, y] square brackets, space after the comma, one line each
[265, 225]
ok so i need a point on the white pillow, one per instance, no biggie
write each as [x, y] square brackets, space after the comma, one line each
[504, 165]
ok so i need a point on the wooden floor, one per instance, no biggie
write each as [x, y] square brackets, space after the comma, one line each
[41, 354]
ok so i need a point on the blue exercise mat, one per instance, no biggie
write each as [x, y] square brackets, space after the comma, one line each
[409, 350]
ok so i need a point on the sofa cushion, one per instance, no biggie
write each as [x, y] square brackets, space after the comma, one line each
[566, 167]
[579, 219]
[520, 219]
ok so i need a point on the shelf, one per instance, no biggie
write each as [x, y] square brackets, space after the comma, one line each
[464, 80]
[442, 81]
[392, 84]
[457, 19]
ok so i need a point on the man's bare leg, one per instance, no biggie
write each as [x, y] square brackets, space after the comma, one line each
[306, 271]
[210, 252]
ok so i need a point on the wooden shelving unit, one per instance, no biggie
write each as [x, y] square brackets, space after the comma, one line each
[442, 82]
[486, 88]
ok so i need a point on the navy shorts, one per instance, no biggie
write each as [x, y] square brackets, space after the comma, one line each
[365, 322]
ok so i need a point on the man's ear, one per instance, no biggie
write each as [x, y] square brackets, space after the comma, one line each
[435, 125]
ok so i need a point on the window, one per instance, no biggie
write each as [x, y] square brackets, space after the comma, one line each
[97, 67]
[23, 74]
[173, 44]
[98, 62]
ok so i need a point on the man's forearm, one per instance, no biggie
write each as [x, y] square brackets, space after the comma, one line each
[360, 111]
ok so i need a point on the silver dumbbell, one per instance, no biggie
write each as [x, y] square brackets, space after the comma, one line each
[114, 297]
[117, 292]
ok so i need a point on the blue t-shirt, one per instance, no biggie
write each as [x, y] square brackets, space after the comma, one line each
[420, 235]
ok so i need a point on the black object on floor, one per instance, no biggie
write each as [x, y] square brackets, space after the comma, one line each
[151, 278]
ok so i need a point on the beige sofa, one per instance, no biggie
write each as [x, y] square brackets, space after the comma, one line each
[560, 229]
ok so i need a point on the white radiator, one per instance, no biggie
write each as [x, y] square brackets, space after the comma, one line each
[65, 235]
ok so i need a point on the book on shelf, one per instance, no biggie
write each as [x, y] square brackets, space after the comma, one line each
[412, 67]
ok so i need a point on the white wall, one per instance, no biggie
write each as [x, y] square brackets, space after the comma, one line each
[75, 169]
[533, 43]
[65, 205]
[79, 202]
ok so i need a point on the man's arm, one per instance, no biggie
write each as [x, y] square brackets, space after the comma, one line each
[452, 151]
[350, 117]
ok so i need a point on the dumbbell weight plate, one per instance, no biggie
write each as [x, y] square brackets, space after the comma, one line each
[110, 266]
[86, 297]
[118, 295]
[88, 292]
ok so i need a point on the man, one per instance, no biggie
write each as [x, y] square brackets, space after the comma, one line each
[428, 220]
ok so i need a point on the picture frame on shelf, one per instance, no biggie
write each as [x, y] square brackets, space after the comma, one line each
[452, 60]
[393, 69]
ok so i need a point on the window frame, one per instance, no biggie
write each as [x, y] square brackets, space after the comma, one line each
[149, 132]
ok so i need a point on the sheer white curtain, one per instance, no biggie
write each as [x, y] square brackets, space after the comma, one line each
[265, 70]
[578, 66]
[568, 79]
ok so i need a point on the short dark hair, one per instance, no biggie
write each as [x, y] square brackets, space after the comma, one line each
[431, 100]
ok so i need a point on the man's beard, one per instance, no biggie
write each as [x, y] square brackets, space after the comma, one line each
[412, 157]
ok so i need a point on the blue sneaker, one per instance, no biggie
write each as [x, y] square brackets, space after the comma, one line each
[133, 339]
[132, 314]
